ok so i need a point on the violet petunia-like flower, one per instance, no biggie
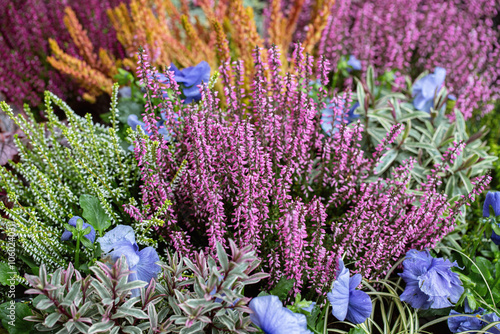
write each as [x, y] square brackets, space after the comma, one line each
[272, 318]
[473, 322]
[489, 318]
[425, 89]
[465, 323]
[347, 302]
[430, 283]
[67, 234]
[119, 242]
[191, 78]
[355, 63]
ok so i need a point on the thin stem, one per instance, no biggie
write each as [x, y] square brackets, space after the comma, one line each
[77, 252]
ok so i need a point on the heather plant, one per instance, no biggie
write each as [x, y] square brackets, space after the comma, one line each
[193, 295]
[413, 36]
[67, 168]
[213, 32]
[26, 26]
[427, 135]
[261, 171]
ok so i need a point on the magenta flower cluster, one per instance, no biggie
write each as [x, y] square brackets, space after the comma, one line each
[24, 33]
[262, 172]
[412, 36]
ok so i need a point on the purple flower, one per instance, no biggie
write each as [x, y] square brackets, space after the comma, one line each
[355, 63]
[119, 242]
[270, 315]
[425, 89]
[469, 323]
[191, 78]
[465, 323]
[489, 318]
[430, 283]
[67, 234]
[347, 302]
[493, 199]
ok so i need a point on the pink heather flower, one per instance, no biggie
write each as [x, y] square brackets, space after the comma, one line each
[263, 172]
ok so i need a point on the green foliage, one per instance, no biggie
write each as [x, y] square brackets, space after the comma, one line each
[94, 213]
[426, 136]
[283, 288]
[61, 161]
[12, 315]
[480, 277]
[203, 295]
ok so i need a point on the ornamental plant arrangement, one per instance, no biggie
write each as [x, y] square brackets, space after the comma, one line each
[309, 187]
[266, 174]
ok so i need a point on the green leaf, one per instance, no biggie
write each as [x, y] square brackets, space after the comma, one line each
[370, 80]
[361, 95]
[86, 242]
[101, 327]
[221, 254]
[471, 300]
[450, 186]
[466, 181]
[70, 228]
[94, 213]
[196, 328]
[8, 274]
[52, 319]
[414, 114]
[496, 228]
[386, 161]
[132, 330]
[460, 121]
[484, 265]
[133, 312]
[470, 161]
[283, 287]
[12, 315]
[356, 330]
